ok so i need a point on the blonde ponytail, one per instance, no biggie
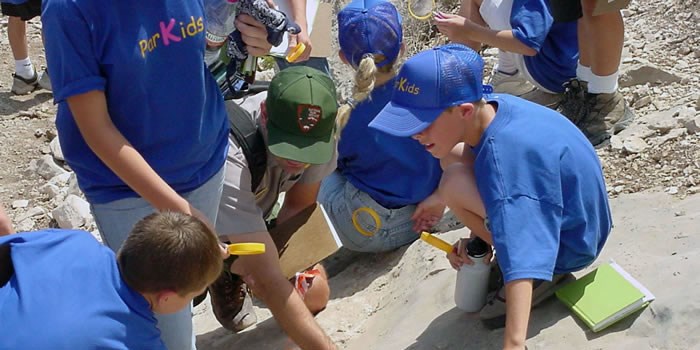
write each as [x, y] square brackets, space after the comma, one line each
[365, 77]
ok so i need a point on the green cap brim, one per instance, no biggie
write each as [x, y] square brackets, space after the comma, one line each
[299, 148]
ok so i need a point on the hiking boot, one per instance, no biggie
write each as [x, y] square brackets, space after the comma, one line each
[44, 81]
[608, 114]
[573, 104]
[543, 98]
[493, 315]
[22, 85]
[510, 83]
[231, 302]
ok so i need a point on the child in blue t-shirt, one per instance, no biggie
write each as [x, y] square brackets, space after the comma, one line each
[371, 207]
[140, 119]
[533, 50]
[535, 189]
[61, 289]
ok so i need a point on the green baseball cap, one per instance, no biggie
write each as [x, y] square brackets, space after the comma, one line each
[301, 109]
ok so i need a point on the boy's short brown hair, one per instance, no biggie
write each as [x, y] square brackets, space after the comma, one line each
[170, 251]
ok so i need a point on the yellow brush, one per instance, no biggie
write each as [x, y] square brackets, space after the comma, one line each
[436, 242]
[246, 248]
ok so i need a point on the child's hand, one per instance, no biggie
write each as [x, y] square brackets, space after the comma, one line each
[428, 213]
[457, 260]
[456, 28]
[458, 256]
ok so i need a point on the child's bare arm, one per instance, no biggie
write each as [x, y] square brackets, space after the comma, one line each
[463, 30]
[518, 303]
[5, 223]
[95, 124]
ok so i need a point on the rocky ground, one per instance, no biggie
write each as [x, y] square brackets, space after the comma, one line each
[660, 78]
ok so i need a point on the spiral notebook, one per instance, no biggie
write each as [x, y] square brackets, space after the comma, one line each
[604, 296]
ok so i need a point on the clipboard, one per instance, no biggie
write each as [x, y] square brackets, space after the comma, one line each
[305, 240]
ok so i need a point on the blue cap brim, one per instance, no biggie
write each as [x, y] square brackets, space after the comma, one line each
[400, 121]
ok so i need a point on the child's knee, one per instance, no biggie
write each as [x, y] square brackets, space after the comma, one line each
[453, 181]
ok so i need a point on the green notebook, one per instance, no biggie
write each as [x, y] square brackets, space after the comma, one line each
[604, 296]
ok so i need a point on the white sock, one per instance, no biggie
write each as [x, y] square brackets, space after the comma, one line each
[24, 68]
[603, 84]
[506, 62]
[583, 73]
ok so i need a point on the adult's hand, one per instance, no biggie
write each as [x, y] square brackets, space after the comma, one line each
[295, 39]
[254, 35]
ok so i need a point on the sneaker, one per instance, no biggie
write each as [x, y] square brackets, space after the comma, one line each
[573, 104]
[231, 302]
[493, 315]
[23, 86]
[44, 81]
[608, 114]
[510, 83]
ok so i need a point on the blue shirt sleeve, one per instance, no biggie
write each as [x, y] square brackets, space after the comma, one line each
[526, 235]
[531, 22]
[70, 54]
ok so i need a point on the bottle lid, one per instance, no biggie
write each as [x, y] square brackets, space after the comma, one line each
[477, 247]
[246, 248]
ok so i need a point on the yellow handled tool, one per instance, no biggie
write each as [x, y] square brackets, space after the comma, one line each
[436, 242]
[246, 248]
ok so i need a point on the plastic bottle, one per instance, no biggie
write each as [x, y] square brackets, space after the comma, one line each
[220, 17]
[472, 280]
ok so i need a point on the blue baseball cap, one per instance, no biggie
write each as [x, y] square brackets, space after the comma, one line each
[429, 83]
[370, 26]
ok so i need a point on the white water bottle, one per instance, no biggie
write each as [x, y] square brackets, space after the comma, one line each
[473, 280]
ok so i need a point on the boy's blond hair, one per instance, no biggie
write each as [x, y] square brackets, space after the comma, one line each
[170, 251]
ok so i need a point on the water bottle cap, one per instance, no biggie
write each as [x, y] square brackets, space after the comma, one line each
[477, 247]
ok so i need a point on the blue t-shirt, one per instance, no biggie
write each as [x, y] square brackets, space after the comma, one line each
[542, 185]
[148, 58]
[394, 171]
[67, 293]
[556, 43]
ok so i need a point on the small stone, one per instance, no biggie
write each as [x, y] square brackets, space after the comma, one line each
[34, 212]
[672, 190]
[684, 50]
[679, 213]
[20, 203]
[55, 147]
[619, 189]
[643, 101]
[634, 145]
[692, 190]
[38, 133]
[25, 225]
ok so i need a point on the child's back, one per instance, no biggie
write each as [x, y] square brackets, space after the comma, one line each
[542, 185]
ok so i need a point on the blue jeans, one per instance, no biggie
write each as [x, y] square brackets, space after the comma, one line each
[116, 219]
[363, 224]
[320, 63]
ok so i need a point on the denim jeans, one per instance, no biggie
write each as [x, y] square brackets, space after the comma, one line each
[363, 224]
[116, 219]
